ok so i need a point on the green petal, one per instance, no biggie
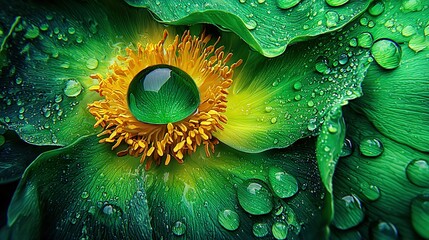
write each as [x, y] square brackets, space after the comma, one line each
[265, 25]
[274, 102]
[81, 191]
[396, 100]
[52, 52]
[381, 195]
[234, 195]
[15, 156]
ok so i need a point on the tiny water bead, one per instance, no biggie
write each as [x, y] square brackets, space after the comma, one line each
[283, 184]
[418, 172]
[229, 219]
[179, 228]
[387, 53]
[260, 229]
[162, 94]
[371, 147]
[255, 197]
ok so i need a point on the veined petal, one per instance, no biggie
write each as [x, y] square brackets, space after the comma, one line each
[380, 188]
[234, 195]
[267, 26]
[274, 102]
[81, 191]
[52, 50]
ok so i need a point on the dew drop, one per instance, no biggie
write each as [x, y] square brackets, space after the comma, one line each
[371, 147]
[179, 228]
[73, 88]
[286, 4]
[336, 3]
[348, 212]
[255, 197]
[279, 230]
[273, 120]
[343, 59]
[283, 184]
[353, 42]
[420, 215]
[332, 19]
[297, 86]
[84, 195]
[260, 229]
[32, 32]
[322, 65]
[268, 109]
[365, 40]
[229, 219]
[376, 9]
[371, 192]
[386, 53]
[310, 103]
[92, 63]
[418, 172]
[383, 230]
[72, 30]
[252, 24]
[417, 43]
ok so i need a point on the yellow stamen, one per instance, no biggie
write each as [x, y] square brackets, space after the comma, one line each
[207, 67]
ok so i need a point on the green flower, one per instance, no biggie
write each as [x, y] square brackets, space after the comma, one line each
[242, 139]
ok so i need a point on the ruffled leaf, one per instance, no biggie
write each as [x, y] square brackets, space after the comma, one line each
[234, 195]
[381, 194]
[267, 26]
[15, 156]
[52, 51]
[81, 191]
[274, 102]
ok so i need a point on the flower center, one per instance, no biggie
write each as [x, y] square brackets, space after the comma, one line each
[162, 94]
[164, 101]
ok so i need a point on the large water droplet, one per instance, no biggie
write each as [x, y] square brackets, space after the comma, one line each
[336, 3]
[286, 4]
[365, 40]
[387, 53]
[332, 19]
[376, 8]
[260, 229]
[418, 172]
[322, 65]
[348, 212]
[73, 88]
[162, 94]
[92, 63]
[371, 147]
[179, 228]
[255, 197]
[383, 230]
[229, 219]
[279, 230]
[420, 215]
[283, 184]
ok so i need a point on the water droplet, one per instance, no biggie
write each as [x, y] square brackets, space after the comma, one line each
[310, 103]
[261, 1]
[343, 59]
[383, 230]
[353, 42]
[242, 1]
[371, 147]
[347, 149]
[376, 9]
[252, 24]
[72, 30]
[279, 230]
[297, 86]
[417, 43]
[2, 140]
[73, 88]
[84, 195]
[44, 27]
[408, 31]
[332, 19]
[268, 109]
[297, 97]
[363, 21]
[322, 65]
[179, 228]
[418, 172]
[348, 212]
[365, 40]
[92, 63]
[371, 192]
[32, 32]
[260, 229]
[336, 3]
[108, 209]
[283, 184]
[387, 53]
[411, 6]
[286, 4]
[229, 219]
[255, 197]
[273, 120]
[420, 215]
[312, 125]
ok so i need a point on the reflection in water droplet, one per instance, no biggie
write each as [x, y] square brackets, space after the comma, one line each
[283, 184]
[229, 219]
[387, 53]
[420, 215]
[255, 197]
[179, 228]
[348, 212]
[260, 229]
[279, 230]
[73, 88]
[371, 147]
[418, 172]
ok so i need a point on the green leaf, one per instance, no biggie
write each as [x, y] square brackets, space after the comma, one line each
[81, 191]
[52, 51]
[329, 145]
[15, 156]
[274, 102]
[264, 25]
[388, 187]
[236, 195]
